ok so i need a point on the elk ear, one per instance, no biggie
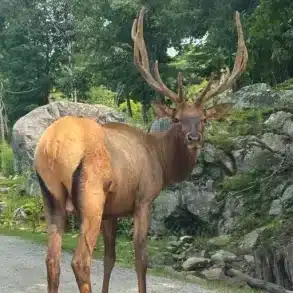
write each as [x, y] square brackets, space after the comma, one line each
[217, 112]
[163, 110]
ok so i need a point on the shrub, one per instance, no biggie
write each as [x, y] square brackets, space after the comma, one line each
[6, 159]
[101, 95]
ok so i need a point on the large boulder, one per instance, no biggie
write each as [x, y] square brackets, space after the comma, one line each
[258, 96]
[28, 129]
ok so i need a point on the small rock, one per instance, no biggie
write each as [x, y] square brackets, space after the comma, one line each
[4, 189]
[249, 241]
[186, 238]
[223, 256]
[288, 194]
[172, 271]
[178, 256]
[276, 208]
[213, 274]
[20, 214]
[220, 241]
[173, 243]
[3, 206]
[237, 281]
[171, 249]
[193, 263]
[204, 254]
[249, 258]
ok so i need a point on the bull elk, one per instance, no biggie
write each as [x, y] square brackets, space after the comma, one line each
[113, 170]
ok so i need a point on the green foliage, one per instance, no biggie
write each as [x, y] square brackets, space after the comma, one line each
[125, 226]
[239, 123]
[6, 159]
[135, 109]
[271, 41]
[192, 90]
[286, 85]
[33, 208]
[101, 95]
[237, 182]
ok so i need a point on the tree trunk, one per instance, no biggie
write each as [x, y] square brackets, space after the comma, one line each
[129, 107]
[144, 113]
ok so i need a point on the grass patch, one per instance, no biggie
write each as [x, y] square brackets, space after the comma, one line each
[10, 182]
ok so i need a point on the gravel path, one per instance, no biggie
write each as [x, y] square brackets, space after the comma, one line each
[22, 270]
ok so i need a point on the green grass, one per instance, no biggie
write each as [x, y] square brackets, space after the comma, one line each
[125, 256]
[10, 182]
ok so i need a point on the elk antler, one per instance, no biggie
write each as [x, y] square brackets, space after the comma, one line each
[140, 52]
[239, 67]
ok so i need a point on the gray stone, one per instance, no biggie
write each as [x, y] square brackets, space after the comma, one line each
[223, 256]
[28, 129]
[161, 124]
[163, 206]
[198, 198]
[3, 206]
[288, 194]
[220, 241]
[4, 189]
[249, 241]
[20, 215]
[186, 238]
[214, 274]
[195, 263]
[215, 156]
[276, 142]
[234, 206]
[280, 122]
[174, 243]
[249, 258]
[258, 96]
[277, 192]
[277, 120]
[276, 208]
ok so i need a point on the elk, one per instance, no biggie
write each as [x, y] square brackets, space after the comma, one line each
[111, 170]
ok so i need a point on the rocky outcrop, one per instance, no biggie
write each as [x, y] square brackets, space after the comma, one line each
[254, 142]
[27, 130]
[242, 187]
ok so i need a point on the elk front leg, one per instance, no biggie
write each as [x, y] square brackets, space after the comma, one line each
[109, 235]
[141, 225]
[92, 204]
[55, 233]
[54, 209]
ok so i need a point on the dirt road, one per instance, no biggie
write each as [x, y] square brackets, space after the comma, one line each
[22, 270]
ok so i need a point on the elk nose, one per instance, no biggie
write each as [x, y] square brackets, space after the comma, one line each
[193, 137]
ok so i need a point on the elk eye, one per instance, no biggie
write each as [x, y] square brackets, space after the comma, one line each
[175, 120]
[204, 120]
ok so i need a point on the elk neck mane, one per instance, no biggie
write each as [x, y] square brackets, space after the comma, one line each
[176, 160]
[168, 151]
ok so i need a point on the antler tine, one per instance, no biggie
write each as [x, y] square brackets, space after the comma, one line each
[173, 96]
[140, 52]
[239, 67]
[199, 99]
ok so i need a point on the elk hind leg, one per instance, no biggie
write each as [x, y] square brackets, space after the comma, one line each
[109, 236]
[90, 198]
[141, 225]
[54, 207]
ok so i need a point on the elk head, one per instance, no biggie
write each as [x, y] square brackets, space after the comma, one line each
[191, 115]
